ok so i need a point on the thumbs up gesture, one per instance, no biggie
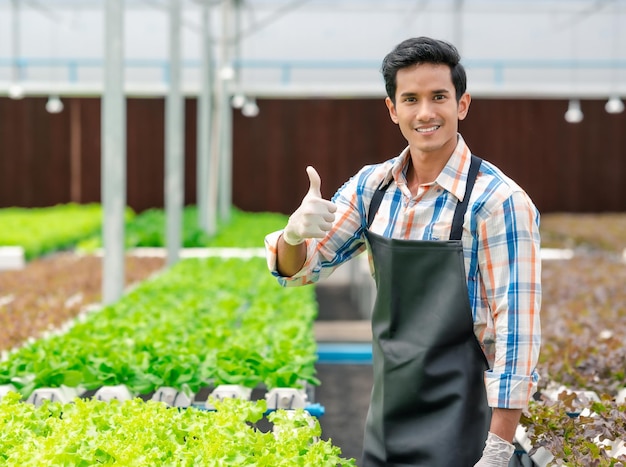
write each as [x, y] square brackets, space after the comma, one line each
[315, 216]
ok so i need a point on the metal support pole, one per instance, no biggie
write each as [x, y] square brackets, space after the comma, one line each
[15, 89]
[174, 142]
[15, 42]
[226, 150]
[205, 200]
[113, 154]
[225, 136]
[458, 24]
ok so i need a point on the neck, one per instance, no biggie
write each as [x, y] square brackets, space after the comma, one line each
[423, 170]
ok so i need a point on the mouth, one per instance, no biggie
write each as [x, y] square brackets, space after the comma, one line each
[428, 129]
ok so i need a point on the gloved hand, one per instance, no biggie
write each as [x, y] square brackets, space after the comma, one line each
[314, 217]
[497, 452]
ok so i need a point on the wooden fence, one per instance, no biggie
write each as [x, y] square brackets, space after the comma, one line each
[46, 159]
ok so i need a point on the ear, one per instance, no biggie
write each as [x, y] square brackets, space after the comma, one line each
[392, 110]
[464, 104]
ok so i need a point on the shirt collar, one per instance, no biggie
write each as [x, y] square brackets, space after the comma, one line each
[452, 178]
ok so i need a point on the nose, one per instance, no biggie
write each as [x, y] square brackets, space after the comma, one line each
[425, 111]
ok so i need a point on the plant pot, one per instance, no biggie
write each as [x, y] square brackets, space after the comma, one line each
[223, 391]
[63, 394]
[286, 398]
[109, 393]
[173, 397]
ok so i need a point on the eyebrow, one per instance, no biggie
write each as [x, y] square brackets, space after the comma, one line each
[435, 92]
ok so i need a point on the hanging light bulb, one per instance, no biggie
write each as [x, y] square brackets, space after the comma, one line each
[227, 73]
[574, 114]
[54, 105]
[16, 91]
[238, 101]
[250, 108]
[614, 105]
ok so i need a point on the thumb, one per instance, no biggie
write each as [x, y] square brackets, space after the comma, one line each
[315, 182]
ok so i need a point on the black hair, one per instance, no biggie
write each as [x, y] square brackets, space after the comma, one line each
[423, 50]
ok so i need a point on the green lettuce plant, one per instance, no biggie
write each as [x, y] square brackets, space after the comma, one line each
[242, 230]
[44, 230]
[89, 432]
[201, 322]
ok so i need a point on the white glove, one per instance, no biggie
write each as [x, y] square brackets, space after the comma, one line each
[314, 217]
[497, 452]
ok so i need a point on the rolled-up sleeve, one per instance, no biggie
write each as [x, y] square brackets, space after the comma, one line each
[310, 272]
[510, 265]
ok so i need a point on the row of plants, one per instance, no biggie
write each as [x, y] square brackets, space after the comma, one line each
[49, 229]
[591, 232]
[583, 352]
[584, 323]
[67, 226]
[44, 230]
[201, 322]
[242, 230]
[89, 432]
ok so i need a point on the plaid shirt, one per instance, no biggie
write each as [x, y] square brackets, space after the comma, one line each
[501, 248]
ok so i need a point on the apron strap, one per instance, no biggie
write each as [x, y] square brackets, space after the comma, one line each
[376, 200]
[459, 213]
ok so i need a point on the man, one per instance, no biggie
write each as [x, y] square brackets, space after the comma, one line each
[455, 250]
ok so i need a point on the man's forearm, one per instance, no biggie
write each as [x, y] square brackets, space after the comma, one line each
[289, 258]
[504, 423]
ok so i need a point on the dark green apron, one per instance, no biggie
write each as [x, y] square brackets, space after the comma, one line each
[428, 405]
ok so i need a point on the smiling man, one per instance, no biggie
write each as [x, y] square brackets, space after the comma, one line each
[455, 251]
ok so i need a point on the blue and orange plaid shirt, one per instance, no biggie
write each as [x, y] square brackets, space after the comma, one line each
[501, 246]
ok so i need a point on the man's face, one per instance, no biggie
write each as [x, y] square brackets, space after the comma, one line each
[426, 110]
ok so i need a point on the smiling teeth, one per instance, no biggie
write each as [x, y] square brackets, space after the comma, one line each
[425, 130]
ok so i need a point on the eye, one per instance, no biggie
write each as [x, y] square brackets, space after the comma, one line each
[410, 99]
[439, 97]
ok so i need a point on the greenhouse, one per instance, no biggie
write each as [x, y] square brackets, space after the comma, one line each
[153, 190]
